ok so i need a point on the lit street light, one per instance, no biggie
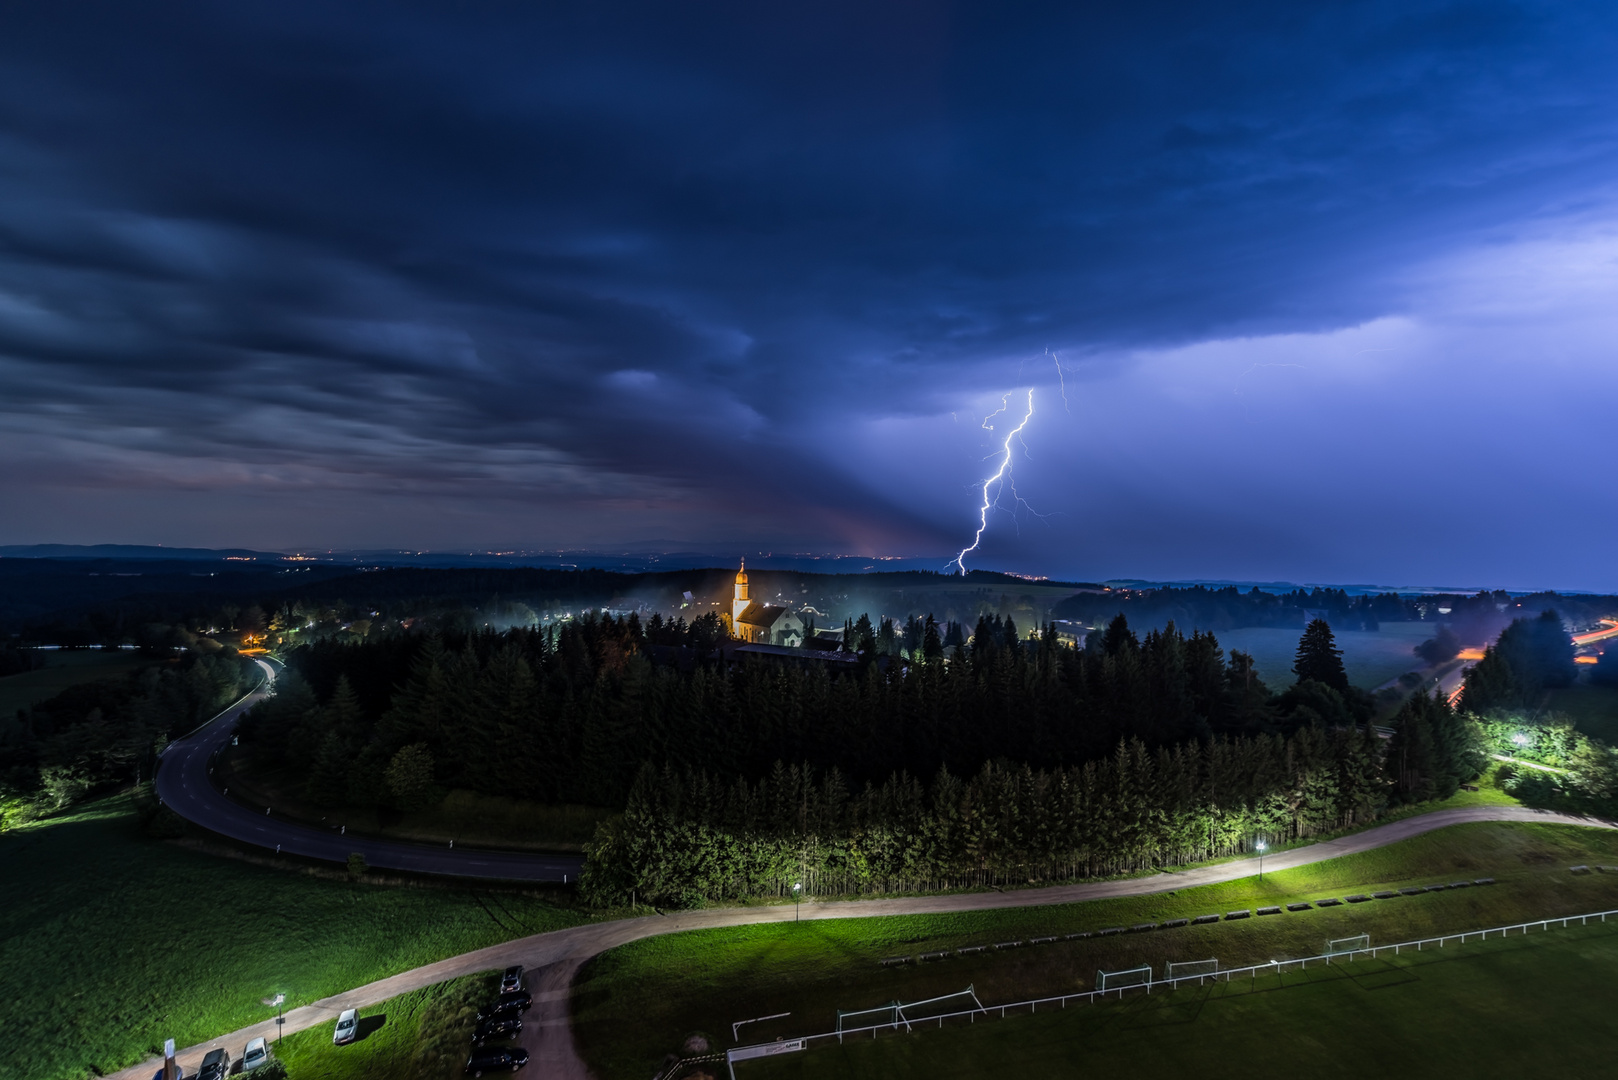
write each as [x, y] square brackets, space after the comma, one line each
[1261, 845]
[280, 1016]
[797, 887]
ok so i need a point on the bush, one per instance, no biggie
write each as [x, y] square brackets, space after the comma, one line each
[356, 865]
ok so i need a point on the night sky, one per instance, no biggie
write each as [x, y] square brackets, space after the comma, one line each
[1311, 292]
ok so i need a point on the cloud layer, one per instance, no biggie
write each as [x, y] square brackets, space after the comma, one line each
[1325, 285]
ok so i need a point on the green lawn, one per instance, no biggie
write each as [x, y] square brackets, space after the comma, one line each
[1371, 657]
[626, 1017]
[64, 669]
[1531, 1006]
[111, 942]
[424, 1035]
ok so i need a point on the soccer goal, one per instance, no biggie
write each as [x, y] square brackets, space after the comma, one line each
[1118, 980]
[1348, 945]
[856, 1019]
[1190, 969]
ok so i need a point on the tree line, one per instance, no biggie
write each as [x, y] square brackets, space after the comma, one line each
[569, 714]
[689, 836]
[107, 732]
[1530, 657]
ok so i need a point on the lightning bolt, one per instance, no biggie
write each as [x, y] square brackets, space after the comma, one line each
[1061, 380]
[1001, 478]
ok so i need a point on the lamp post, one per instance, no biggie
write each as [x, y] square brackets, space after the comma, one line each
[1260, 846]
[280, 1016]
[797, 887]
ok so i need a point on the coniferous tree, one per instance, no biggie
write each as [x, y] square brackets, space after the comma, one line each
[1319, 658]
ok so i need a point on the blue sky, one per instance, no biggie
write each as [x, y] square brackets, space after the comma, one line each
[1329, 288]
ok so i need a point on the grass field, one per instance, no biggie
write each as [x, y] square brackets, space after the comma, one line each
[1526, 1006]
[1371, 657]
[423, 1035]
[626, 1018]
[110, 942]
[64, 669]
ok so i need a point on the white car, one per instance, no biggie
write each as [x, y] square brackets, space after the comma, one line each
[348, 1025]
[255, 1055]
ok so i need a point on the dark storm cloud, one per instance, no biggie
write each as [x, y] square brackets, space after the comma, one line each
[666, 261]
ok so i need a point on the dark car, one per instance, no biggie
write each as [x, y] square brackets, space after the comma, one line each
[516, 1001]
[498, 1026]
[496, 1057]
[216, 1066]
[512, 979]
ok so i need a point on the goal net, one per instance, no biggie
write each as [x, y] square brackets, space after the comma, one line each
[1182, 969]
[1117, 980]
[856, 1019]
[1348, 945]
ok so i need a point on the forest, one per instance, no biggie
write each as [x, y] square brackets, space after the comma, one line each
[569, 714]
[108, 732]
[1003, 756]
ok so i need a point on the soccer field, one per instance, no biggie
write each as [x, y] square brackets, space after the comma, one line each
[1538, 1005]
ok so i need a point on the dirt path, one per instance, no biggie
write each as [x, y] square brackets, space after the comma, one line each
[554, 958]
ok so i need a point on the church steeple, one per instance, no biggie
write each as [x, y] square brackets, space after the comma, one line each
[739, 603]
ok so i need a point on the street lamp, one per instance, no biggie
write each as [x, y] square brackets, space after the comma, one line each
[797, 887]
[1260, 846]
[280, 1016]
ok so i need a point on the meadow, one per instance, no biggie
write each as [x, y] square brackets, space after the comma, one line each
[64, 668]
[1524, 1006]
[423, 1035]
[111, 942]
[1372, 657]
[626, 1019]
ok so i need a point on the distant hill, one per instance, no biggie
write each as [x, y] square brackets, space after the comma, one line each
[128, 551]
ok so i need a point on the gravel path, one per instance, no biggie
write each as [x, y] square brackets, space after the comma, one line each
[554, 958]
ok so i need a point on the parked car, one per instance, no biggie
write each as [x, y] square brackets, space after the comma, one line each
[215, 1065]
[498, 1026]
[512, 979]
[256, 1054]
[496, 1057]
[348, 1025]
[516, 1001]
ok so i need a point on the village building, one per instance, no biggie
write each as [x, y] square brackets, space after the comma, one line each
[759, 623]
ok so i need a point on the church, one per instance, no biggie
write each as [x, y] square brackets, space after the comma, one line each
[762, 624]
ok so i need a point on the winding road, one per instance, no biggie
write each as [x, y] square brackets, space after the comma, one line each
[553, 959]
[184, 786]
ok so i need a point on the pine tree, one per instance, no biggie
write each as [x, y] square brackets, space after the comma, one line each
[1319, 658]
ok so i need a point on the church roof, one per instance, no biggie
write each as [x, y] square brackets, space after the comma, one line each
[757, 614]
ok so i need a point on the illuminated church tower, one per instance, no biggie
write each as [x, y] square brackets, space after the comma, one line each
[739, 604]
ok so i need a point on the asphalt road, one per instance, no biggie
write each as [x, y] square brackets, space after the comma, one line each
[554, 959]
[184, 786]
